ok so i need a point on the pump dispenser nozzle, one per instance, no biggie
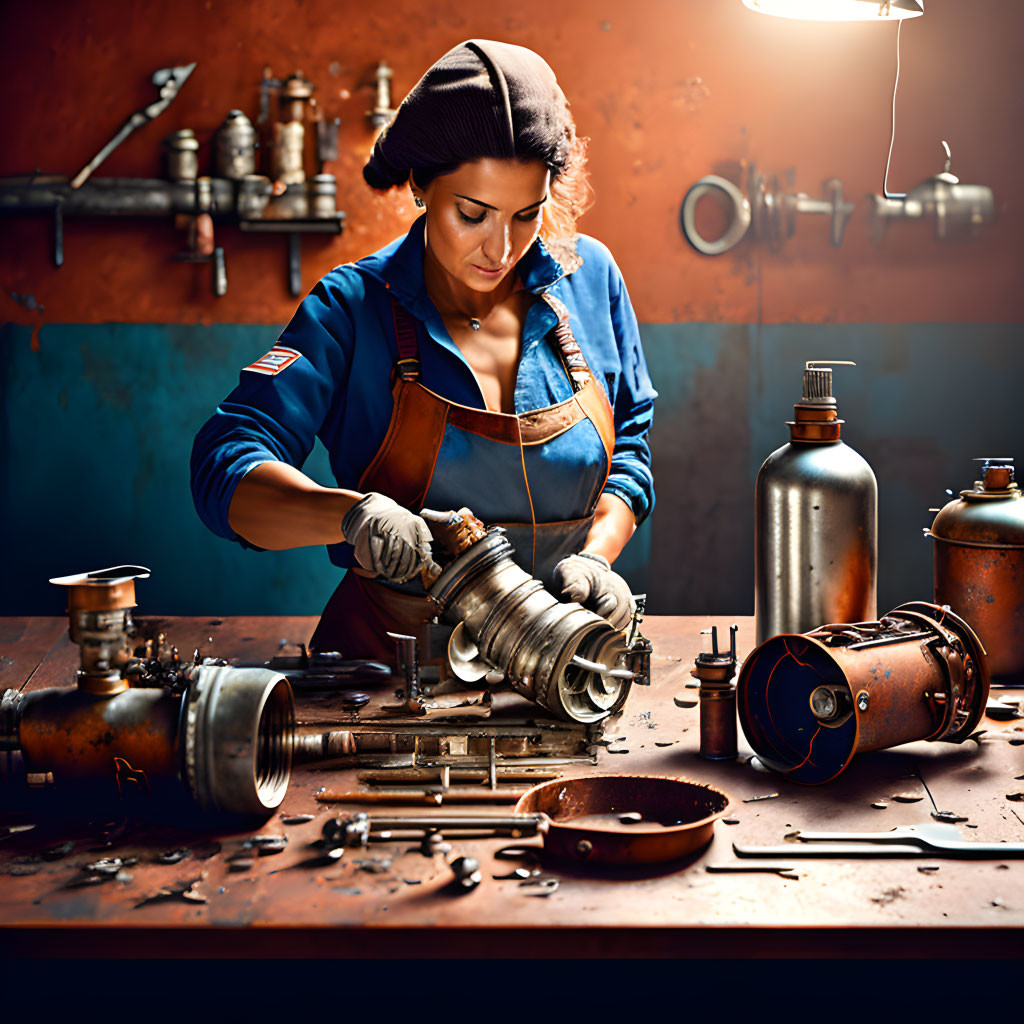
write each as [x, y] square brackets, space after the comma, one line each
[816, 419]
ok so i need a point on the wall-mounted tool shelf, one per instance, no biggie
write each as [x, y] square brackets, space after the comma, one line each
[52, 195]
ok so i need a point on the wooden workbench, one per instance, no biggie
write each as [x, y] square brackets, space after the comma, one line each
[834, 908]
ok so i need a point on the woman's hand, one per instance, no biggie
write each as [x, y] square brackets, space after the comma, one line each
[276, 506]
[389, 540]
[588, 579]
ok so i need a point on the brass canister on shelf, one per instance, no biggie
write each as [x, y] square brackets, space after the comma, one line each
[181, 155]
[979, 564]
[323, 192]
[236, 146]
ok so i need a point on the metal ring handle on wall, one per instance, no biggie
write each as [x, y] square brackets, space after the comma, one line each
[737, 225]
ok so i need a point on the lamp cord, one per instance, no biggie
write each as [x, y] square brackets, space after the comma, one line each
[892, 135]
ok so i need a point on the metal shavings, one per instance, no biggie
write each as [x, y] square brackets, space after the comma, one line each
[1015, 797]
[730, 821]
[997, 902]
[544, 886]
[889, 896]
[173, 856]
[373, 866]
[948, 817]
[15, 829]
[665, 743]
[518, 873]
[630, 817]
[749, 869]
[105, 870]
[907, 798]
[413, 881]
[927, 869]
[296, 819]
[265, 841]
[680, 703]
[762, 796]
[59, 851]
[880, 805]
[617, 739]
[618, 750]
[241, 864]
[184, 890]
[269, 849]
[1002, 867]
[1017, 816]
[692, 686]
[348, 890]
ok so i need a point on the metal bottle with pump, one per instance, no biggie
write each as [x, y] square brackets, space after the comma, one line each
[815, 522]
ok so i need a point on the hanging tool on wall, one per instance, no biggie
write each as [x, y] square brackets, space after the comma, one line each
[168, 81]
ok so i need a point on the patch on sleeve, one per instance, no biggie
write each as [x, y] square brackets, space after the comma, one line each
[279, 358]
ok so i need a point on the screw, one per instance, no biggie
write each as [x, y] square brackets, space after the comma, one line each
[862, 701]
[584, 848]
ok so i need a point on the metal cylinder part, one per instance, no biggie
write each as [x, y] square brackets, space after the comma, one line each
[718, 722]
[181, 155]
[235, 149]
[979, 565]
[323, 192]
[815, 542]
[239, 730]
[509, 622]
[289, 139]
[227, 741]
[808, 703]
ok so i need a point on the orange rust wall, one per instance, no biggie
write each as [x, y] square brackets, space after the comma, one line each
[667, 90]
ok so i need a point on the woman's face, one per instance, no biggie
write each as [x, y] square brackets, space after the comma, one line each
[483, 216]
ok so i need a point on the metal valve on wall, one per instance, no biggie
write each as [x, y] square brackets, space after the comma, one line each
[767, 210]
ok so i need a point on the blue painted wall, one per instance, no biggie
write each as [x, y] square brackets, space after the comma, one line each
[97, 425]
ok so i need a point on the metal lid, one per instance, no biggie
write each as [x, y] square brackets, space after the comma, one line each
[990, 514]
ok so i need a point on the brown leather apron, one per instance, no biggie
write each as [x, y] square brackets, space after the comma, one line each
[507, 468]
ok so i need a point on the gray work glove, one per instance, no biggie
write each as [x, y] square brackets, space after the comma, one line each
[389, 540]
[589, 579]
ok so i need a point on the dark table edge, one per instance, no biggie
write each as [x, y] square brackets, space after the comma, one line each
[77, 941]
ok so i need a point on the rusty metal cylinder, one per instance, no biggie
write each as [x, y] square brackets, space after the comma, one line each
[808, 703]
[505, 620]
[718, 722]
[979, 565]
[226, 742]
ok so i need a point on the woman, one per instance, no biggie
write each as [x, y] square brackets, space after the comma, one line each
[489, 359]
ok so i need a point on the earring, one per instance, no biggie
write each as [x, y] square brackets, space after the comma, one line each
[418, 201]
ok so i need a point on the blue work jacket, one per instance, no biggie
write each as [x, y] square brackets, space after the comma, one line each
[338, 388]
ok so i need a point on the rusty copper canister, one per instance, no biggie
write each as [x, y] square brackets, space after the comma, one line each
[809, 702]
[715, 670]
[979, 565]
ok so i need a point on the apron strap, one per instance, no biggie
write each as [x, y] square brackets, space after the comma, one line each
[407, 366]
[576, 366]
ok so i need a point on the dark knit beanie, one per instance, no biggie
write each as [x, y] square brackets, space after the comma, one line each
[481, 99]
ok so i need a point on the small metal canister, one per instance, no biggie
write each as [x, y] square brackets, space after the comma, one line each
[323, 192]
[236, 146]
[181, 155]
[979, 564]
[253, 195]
